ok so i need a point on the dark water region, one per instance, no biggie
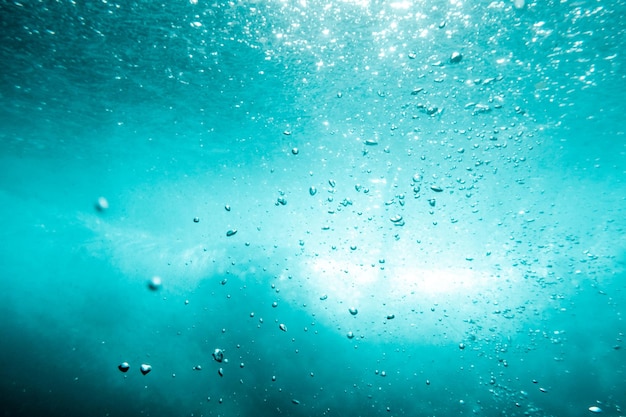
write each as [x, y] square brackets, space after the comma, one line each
[370, 208]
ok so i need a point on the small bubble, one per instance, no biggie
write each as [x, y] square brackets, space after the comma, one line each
[353, 311]
[101, 204]
[145, 368]
[155, 283]
[231, 232]
[282, 327]
[196, 219]
[295, 151]
[124, 367]
[456, 57]
[436, 188]
[312, 190]
[218, 355]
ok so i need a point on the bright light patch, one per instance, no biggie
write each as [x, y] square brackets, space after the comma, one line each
[421, 300]
[401, 5]
[351, 282]
[362, 3]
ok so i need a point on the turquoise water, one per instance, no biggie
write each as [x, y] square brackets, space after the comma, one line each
[453, 172]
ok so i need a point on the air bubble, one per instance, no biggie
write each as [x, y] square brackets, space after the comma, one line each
[102, 204]
[124, 367]
[218, 355]
[155, 283]
[456, 57]
[145, 368]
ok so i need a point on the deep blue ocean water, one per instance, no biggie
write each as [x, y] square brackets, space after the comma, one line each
[369, 208]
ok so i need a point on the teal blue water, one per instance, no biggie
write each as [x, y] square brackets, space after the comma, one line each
[353, 208]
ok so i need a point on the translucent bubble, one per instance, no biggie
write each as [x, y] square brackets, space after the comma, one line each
[102, 204]
[456, 57]
[145, 368]
[218, 355]
[155, 283]
[124, 367]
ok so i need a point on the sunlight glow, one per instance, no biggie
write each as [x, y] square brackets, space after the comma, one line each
[362, 3]
[354, 283]
[401, 5]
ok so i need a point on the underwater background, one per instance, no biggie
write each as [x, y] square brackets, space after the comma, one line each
[312, 208]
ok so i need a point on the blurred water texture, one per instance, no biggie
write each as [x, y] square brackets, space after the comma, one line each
[352, 208]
